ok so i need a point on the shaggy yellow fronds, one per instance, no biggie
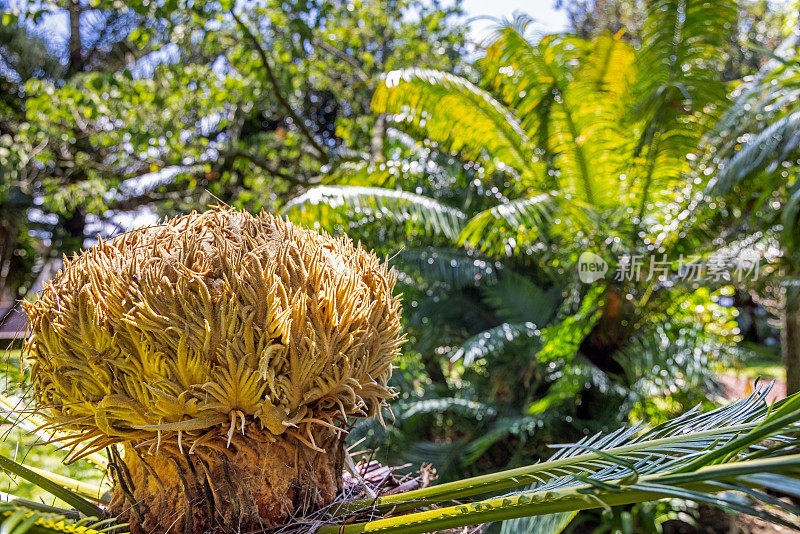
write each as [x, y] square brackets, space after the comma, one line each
[188, 332]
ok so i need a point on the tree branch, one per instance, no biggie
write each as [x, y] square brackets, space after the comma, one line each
[323, 156]
[344, 57]
[267, 166]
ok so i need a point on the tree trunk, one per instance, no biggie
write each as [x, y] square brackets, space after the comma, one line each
[75, 60]
[254, 484]
[376, 139]
[790, 337]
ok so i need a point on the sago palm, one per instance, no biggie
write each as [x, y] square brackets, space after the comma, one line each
[752, 158]
[592, 137]
[223, 352]
[553, 148]
[593, 133]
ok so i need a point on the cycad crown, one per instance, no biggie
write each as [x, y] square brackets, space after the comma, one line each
[212, 322]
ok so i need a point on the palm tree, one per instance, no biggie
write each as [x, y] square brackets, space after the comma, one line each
[752, 158]
[558, 147]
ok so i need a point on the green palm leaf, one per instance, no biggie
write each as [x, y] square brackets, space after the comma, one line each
[572, 111]
[682, 41]
[767, 93]
[507, 227]
[678, 92]
[453, 268]
[516, 299]
[457, 114]
[417, 212]
[404, 410]
[68, 496]
[517, 426]
[523, 220]
[540, 524]
[698, 486]
[694, 455]
[493, 341]
[25, 517]
[763, 152]
[469, 408]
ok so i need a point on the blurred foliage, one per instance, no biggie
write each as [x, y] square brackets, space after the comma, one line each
[760, 27]
[146, 109]
[656, 132]
[560, 146]
[22, 445]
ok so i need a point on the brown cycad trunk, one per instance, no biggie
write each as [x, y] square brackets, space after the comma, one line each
[248, 487]
[608, 335]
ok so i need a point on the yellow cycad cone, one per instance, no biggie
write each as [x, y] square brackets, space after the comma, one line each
[224, 352]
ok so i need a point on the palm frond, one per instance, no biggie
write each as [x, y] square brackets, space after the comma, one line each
[464, 407]
[26, 517]
[493, 341]
[492, 229]
[572, 112]
[682, 41]
[529, 76]
[517, 426]
[700, 486]
[69, 496]
[678, 91]
[755, 96]
[541, 524]
[410, 162]
[694, 456]
[405, 410]
[762, 152]
[448, 457]
[518, 224]
[418, 213]
[593, 104]
[665, 354]
[668, 447]
[453, 268]
[516, 299]
[754, 144]
[95, 493]
[457, 114]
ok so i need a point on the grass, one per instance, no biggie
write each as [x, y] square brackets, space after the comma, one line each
[24, 447]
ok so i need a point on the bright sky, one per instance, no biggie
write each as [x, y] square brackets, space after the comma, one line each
[548, 20]
[483, 14]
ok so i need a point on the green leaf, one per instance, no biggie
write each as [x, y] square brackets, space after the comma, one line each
[693, 439]
[763, 153]
[25, 517]
[521, 220]
[698, 486]
[454, 268]
[493, 341]
[457, 114]
[571, 94]
[516, 299]
[416, 211]
[540, 524]
[68, 496]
